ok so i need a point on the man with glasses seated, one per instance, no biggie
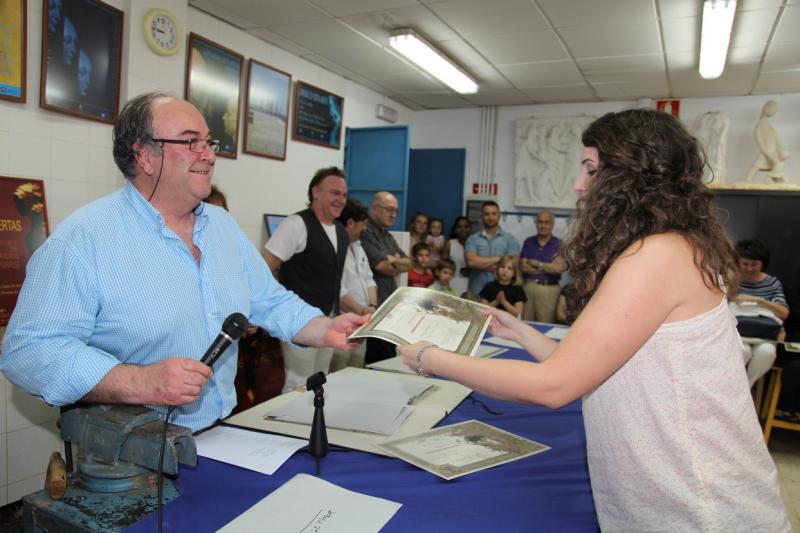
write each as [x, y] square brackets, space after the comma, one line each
[386, 259]
[121, 302]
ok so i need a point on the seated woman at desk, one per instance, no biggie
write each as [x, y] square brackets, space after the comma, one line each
[672, 438]
[760, 289]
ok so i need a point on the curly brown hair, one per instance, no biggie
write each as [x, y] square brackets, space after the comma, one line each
[649, 181]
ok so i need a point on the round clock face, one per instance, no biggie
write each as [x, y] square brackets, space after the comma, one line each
[161, 32]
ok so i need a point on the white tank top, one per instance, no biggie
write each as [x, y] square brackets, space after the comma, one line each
[673, 441]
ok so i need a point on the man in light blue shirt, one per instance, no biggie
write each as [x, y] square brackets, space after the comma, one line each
[120, 303]
[484, 249]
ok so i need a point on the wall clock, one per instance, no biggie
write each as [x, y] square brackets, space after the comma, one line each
[162, 32]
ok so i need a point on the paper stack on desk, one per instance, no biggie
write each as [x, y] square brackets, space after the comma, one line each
[306, 504]
[379, 404]
[431, 400]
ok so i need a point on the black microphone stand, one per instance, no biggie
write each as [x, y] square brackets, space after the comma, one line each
[318, 440]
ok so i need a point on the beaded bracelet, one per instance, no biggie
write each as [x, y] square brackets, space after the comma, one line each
[419, 360]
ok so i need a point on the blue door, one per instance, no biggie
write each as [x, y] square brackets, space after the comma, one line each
[436, 184]
[376, 159]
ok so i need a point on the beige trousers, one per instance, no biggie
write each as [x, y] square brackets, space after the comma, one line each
[541, 304]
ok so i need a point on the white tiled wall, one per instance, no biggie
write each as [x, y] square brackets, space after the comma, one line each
[28, 435]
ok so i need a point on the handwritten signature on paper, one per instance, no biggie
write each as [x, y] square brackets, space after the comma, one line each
[317, 523]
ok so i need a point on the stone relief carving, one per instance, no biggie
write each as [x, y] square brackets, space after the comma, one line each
[547, 160]
[711, 129]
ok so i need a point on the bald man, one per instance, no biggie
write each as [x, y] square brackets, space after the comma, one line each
[386, 259]
[542, 265]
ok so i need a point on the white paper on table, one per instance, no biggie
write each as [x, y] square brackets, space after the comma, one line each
[373, 402]
[249, 449]
[557, 333]
[307, 504]
[503, 342]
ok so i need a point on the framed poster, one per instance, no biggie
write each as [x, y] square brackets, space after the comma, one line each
[13, 49]
[81, 58]
[266, 110]
[317, 116]
[23, 228]
[213, 85]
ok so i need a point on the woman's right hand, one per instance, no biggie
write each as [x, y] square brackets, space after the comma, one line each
[503, 324]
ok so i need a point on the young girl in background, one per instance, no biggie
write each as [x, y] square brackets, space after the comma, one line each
[419, 275]
[440, 247]
[505, 292]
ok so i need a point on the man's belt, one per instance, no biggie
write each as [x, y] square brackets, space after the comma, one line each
[543, 281]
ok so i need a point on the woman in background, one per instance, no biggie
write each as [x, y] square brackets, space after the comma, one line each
[458, 236]
[672, 438]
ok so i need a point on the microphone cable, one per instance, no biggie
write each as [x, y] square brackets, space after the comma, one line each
[158, 179]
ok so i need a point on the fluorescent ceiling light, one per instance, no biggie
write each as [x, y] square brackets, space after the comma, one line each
[432, 61]
[715, 36]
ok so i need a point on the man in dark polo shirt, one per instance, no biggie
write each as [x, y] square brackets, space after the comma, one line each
[308, 251]
[542, 265]
[386, 259]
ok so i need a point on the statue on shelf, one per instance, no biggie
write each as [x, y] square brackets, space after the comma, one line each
[711, 129]
[772, 153]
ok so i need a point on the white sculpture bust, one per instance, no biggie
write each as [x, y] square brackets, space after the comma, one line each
[772, 153]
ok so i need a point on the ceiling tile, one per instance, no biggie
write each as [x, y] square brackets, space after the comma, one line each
[223, 12]
[379, 24]
[680, 8]
[267, 13]
[648, 88]
[320, 35]
[782, 57]
[778, 82]
[438, 100]
[542, 74]
[752, 28]
[463, 53]
[479, 18]
[680, 63]
[489, 77]
[565, 13]
[527, 47]
[570, 93]
[744, 55]
[499, 97]
[608, 69]
[787, 31]
[368, 60]
[418, 82]
[617, 40]
[279, 41]
[329, 65]
[725, 85]
[343, 8]
[681, 34]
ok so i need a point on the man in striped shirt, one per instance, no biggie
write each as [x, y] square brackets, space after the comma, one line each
[121, 302]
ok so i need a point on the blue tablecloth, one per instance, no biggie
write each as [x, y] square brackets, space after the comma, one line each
[546, 492]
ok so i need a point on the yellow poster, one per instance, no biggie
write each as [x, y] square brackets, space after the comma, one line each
[11, 48]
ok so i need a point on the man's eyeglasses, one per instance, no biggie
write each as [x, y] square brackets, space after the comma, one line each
[195, 145]
[388, 209]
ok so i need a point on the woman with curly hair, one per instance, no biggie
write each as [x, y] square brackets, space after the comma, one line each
[673, 442]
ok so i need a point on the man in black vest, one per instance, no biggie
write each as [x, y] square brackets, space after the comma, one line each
[308, 251]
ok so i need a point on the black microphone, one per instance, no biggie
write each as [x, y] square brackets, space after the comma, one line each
[232, 330]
